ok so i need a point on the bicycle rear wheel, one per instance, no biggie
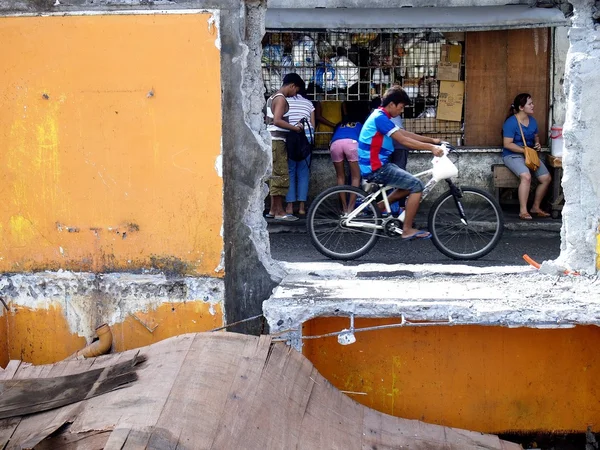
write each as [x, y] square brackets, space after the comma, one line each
[326, 224]
[477, 235]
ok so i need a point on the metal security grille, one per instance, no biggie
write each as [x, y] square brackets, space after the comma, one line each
[355, 68]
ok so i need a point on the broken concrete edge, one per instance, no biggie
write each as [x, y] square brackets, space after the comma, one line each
[251, 274]
[88, 299]
[447, 296]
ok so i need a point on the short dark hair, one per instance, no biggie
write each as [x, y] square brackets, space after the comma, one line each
[294, 78]
[395, 95]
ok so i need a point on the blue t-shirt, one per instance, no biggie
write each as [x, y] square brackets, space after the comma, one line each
[347, 130]
[374, 143]
[510, 129]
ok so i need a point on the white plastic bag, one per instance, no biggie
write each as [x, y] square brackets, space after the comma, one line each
[443, 168]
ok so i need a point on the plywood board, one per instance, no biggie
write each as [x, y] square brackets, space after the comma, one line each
[485, 97]
[500, 65]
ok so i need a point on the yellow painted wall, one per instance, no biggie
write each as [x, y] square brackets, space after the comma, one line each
[110, 130]
[490, 379]
[42, 336]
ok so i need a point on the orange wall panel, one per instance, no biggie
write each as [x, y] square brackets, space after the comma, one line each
[110, 131]
[169, 319]
[490, 379]
[42, 336]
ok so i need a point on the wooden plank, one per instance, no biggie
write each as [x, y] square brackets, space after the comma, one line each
[117, 439]
[486, 104]
[242, 393]
[283, 379]
[528, 53]
[212, 356]
[10, 370]
[140, 405]
[7, 428]
[19, 397]
[331, 420]
[70, 441]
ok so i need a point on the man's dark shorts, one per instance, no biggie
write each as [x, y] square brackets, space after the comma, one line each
[392, 175]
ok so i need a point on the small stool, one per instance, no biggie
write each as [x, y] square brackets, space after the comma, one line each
[557, 196]
[503, 178]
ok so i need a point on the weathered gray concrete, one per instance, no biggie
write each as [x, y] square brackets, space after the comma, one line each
[559, 53]
[393, 4]
[250, 273]
[441, 18]
[474, 169]
[518, 296]
[581, 177]
[89, 299]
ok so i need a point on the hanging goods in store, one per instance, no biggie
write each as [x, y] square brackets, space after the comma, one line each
[325, 77]
[346, 72]
[305, 57]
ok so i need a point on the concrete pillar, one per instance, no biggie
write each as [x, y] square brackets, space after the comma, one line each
[581, 179]
[250, 274]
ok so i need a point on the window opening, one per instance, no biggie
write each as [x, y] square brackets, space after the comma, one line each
[354, 68]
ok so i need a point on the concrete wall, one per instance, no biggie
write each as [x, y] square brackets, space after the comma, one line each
[111, 162]
[474, 166]
[580, 233]
[387, 4]
[114, 163]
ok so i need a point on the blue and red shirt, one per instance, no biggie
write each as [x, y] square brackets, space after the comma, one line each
[375, 144]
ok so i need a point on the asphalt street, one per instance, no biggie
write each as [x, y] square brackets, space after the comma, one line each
[297, 247]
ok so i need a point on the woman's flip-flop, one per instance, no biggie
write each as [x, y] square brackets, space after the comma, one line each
[525, 216]
[542, 214]
[418, 235]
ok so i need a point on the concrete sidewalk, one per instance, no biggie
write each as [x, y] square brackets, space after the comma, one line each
[512, 223]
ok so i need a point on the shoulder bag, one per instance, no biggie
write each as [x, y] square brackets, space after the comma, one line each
[532, 160]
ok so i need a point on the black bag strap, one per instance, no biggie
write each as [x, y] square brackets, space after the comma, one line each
[306, 122]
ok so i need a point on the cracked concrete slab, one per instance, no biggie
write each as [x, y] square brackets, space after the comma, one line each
[515, 296]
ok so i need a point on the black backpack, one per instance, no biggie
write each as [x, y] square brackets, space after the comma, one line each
[297, 144]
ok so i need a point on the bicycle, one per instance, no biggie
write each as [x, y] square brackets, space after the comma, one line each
[465, 223]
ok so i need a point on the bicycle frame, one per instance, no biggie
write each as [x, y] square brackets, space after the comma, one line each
[383, 189]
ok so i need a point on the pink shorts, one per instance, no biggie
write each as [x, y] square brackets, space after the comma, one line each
[344, 147]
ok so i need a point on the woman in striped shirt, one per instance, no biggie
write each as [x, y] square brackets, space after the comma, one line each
[299, 171]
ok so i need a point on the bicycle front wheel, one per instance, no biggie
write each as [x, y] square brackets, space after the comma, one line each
[472, 238]
[327, 224]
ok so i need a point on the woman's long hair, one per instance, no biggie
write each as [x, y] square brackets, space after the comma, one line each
[519, 101]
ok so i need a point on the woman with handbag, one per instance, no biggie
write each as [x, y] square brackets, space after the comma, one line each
[302, 114]
[520, 154]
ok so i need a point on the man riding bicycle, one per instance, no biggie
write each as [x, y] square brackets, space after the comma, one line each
[375, 147]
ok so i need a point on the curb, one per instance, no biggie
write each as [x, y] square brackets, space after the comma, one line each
[550, 226]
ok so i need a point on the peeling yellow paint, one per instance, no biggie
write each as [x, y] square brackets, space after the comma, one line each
[85, 145]
[43, 336]
[598, 250]
[169, 319]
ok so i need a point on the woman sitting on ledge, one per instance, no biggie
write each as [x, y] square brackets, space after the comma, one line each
[521, 118]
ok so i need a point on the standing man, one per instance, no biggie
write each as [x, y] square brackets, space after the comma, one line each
[278, 125]
[375, 148]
